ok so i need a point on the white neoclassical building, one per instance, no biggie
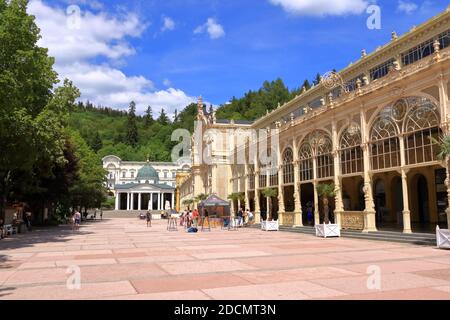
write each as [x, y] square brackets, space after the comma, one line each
[143, 185]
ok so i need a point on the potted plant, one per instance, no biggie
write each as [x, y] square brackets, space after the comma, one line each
[326, 191]
[188, 203]
[269, 224]
[444, 155]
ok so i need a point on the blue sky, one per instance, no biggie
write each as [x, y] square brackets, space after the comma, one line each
[166, 53]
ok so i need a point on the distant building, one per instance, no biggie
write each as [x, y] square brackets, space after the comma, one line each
[143, 185]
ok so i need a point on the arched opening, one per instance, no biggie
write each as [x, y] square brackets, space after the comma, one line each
[380, 202]
[397, 202]
[288, 180]
[307, 196]
[422, 204]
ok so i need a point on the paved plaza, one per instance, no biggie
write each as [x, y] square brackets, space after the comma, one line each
[121, 258]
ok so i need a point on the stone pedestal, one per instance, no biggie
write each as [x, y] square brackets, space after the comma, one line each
[370, 224]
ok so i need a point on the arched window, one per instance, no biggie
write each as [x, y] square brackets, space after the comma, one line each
[417, 119]
[350, 150]
[306, 163]
[384, 142]
[288, 166]
[325, 165]
[421, 130]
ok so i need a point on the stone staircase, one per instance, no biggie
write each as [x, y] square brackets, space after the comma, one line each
[423, 239]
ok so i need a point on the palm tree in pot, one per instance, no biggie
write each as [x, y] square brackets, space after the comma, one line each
[444, 148]
[188, 203]
[326, 191]
[236, 197]
[270, 193]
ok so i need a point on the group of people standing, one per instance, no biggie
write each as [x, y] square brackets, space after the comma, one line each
[190, 218]
[244, 217]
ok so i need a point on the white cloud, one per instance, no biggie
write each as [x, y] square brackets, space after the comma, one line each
[168, 24]
[211, 26]
[407, 7]
[322, 7]
[100, 36]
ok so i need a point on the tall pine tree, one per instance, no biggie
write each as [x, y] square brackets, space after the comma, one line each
[163, 118]
[148, 118]
[97, 143]
[132, 137]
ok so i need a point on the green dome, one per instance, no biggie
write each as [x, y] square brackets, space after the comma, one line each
[147, 172]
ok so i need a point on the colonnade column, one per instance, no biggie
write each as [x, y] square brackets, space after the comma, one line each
[247, 185]
[316, 195]
[139, 201]
[256, 171]
[173, 201]
[404, 173]
[117, 206]
[443, 97]
[281, 207]
[298, 214]
[268, 200]
[128, 201]
[370, 224]
[337, 181]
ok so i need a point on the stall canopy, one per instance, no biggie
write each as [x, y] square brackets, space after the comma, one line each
[215, 206]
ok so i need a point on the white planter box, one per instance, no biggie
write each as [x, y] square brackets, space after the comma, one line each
[328, 230]
[443, 238]
[270, 226]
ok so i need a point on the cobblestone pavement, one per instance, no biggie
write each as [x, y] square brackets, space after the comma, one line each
[120, 258]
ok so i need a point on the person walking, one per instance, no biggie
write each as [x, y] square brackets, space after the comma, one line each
[195, 216]
[77, 217]
[149, 219]
[101, 214]
[309, 214]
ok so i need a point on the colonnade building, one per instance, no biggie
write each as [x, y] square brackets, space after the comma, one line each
[371, 129]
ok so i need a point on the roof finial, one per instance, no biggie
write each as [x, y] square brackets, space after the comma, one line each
[148, 157]
[200, 106]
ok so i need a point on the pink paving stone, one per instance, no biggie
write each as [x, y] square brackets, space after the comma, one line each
[5, 275]
[260, 277]
[154, 259]
[389, 282]
[199, 267]
[38, 265]
[233, 254]
[169, 296]
[182, 283]
[87, 262]
[87, 291]
[121, 272]
[289, 261]
[297, 290]
[396, 267]
[41, 276]
[410, 294]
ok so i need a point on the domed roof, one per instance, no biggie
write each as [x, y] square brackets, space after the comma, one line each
[147, 172]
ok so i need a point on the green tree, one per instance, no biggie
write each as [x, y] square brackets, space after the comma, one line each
[88, 191]
[148, 118]
[97, 143]
[32, 117]
[132, 137]
[163, 118]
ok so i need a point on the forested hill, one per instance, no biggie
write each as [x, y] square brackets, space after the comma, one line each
[134, 138]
